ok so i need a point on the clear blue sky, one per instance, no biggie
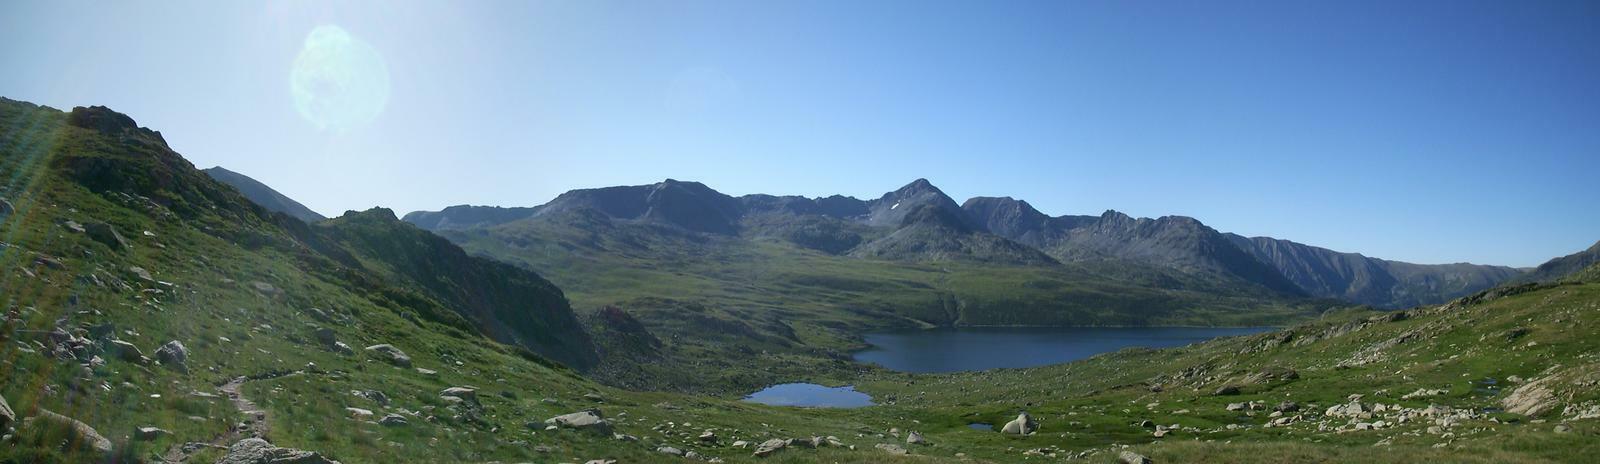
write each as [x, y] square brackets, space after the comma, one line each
[1420, 131]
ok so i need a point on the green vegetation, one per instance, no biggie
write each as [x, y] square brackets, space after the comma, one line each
[799, 312]
[248, 292]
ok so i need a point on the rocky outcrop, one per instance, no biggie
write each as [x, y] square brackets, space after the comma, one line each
[79, 433]
[589, 421]
[105, 234]
[391, 354]
[258, 451]
[1533, 398]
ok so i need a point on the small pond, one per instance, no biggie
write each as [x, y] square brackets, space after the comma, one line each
[810, 395]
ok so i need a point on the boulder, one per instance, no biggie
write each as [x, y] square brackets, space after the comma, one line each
[1226, 390]
[391, 354]
[173, 355]
[708, 436]
[467, 394]
[81, 434]
[125, 351]
[915, 438]
[105, 234]
[588, 420]
[258, 451]
[149, 433]
[373, 395]
[5, 208]
[670, 450]
[1129, 457]
[768, 447]
[141, 273]
[892, 448]
[393, 420]
[1022, 425]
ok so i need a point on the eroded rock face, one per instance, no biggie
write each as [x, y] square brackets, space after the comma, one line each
[258, 451]
[1531, 399]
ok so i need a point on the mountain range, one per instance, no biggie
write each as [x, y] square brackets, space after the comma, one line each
[918, 222]
[154, 313]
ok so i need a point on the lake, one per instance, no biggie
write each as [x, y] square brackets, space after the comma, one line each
[810, 395]
[980, 348]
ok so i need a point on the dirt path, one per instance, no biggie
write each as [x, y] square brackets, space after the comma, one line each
[254, 425]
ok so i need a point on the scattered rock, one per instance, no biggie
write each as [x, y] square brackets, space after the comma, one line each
[373, 395]
[258, 451]
[1563, 428]
[892, 448]
[1022, 425]
[173, 355]
[467, 394]
[915, 438]
[588, 420]
[1287, 406]
[106, 234]
[149, 433]
[771, 446]
[669, 450]
[1129, 457]
[393, 420]
[391, 354]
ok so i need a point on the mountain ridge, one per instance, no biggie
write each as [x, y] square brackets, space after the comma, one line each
[263, 195]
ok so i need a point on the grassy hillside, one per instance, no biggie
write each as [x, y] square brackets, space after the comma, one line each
[112, 243]
[800, 311]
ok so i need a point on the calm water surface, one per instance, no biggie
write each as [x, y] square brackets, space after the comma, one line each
[980, 348]
[810, 395]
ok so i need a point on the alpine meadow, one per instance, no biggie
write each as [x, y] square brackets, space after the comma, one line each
[799, 232]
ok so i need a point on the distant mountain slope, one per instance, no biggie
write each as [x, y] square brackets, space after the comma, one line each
[263, 195]
[466, 217]
[510, 304]
[1176, 241]
[1371, 281]
[1565, 266]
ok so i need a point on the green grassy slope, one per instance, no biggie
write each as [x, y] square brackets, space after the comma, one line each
[799, 311]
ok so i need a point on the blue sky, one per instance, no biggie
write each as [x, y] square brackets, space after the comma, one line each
[1419, 131]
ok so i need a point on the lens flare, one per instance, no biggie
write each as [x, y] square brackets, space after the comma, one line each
[339, 82]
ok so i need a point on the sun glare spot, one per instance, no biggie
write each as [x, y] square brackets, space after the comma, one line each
[339, 81]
